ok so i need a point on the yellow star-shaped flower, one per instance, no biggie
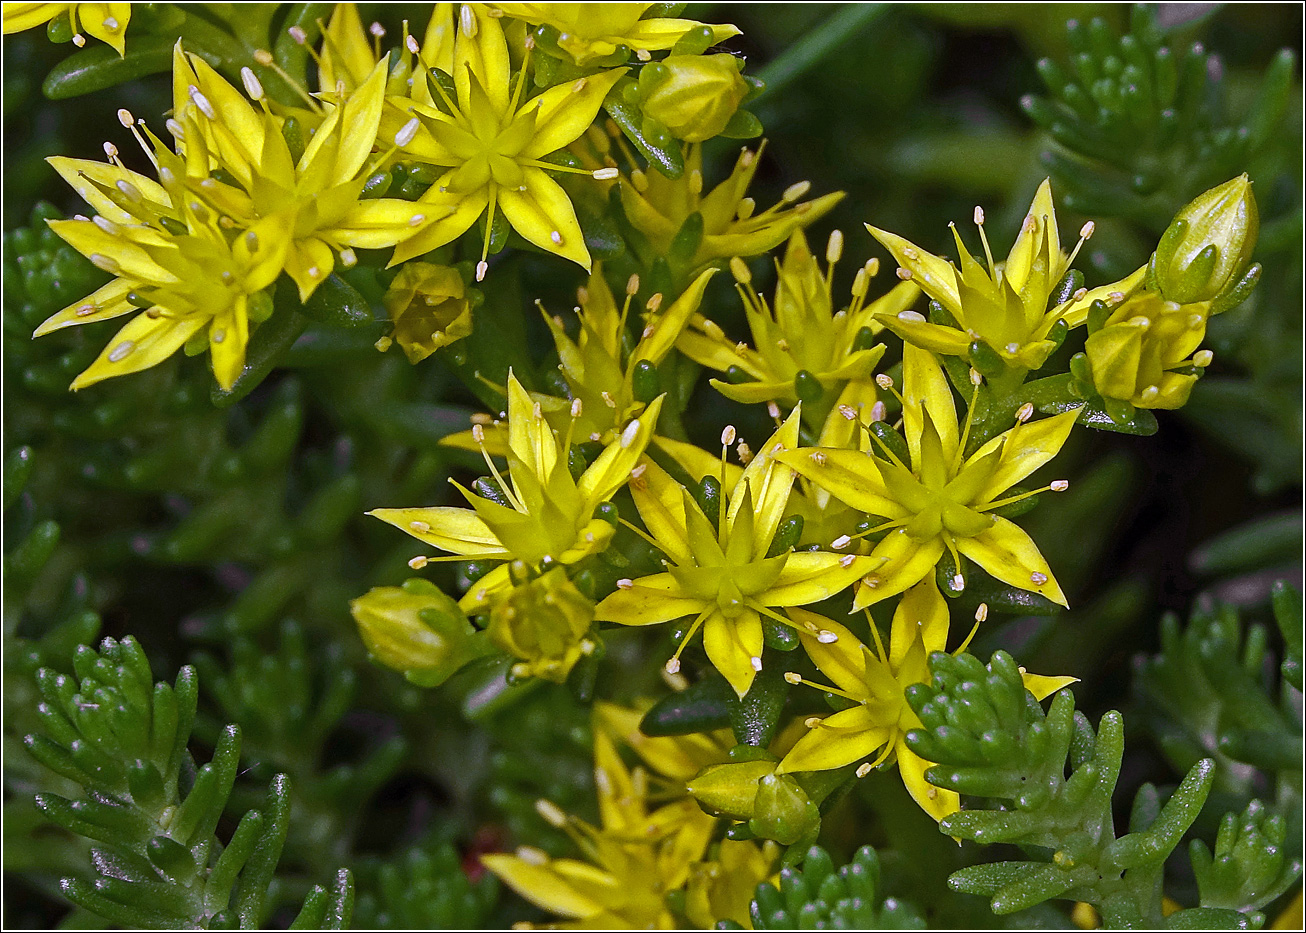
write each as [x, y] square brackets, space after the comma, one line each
[876, 682]
[544, 514]
[938, 500]
[718, 569]
[587, 31]
[491, 143]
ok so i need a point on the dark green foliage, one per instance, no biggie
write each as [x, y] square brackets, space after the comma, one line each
[816, 897]
[1248, 868]
[992, 740]
[1208, 693]
[1145, 124]
[153, 812]
[426, 889]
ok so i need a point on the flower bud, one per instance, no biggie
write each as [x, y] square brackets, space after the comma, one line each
[417, 630]
[429, 307]
[730, 789]
[1134, 355]
[782, 810]
[693, 96]
[1209, 243]
[544, 623]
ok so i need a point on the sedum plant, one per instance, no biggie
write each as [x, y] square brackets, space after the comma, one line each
[573, 700]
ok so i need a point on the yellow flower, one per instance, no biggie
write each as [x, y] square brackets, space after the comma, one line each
[719, 571]
[937, 500]
[491, 143]
[1207, 247]
[318, 195]
[804, 349]
[104, 21]
[349, 54]
[658, 207]
[429, 307]
[876, 683]
[722, 889]
[542, 622]
[543, 514]
[1005, 306]
[633, 861]
[1134, 355]
[179, 284]
[675, 758]
[587, 31]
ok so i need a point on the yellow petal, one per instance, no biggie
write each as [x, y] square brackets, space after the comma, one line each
[142, 343]
[543, 214]
[563, 113]
[1010, 555]
[228, 337]
[1043, 685]
[530, 438]
[840, 739]
[356, 123]
[610, 471]
[1075, 312]
[20, 16]
[346, 52]
[1025, 448]
[922, 613]
[107, 301]
[771, 480]
[545, 887]
[81, 172]
[925, 386]
[442, 219]
[899, 561]
[484, 590]
[935, 801]
[842, 659]
[946, 341]
[699, 462]
[734, 646]
[810, 576]
[660, 500]
[754, 393]
[483, 53]
[1025, 252]
[376, 223]
[458, 531]
[668, 326]
[936, 276]
[851, 476]
[647, 601]
[131, 259]
[308, 262]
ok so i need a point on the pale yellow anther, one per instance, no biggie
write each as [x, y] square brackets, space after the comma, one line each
[1025, 412]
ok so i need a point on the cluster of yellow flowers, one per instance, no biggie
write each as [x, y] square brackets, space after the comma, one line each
[251, 187]
[870, 487]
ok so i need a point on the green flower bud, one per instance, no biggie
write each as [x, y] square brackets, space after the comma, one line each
[1145, 352]
[782, 810]
[417, 630]
[429, 307]
[730, 789]
[545, 623]
[1208, 245]
[693, 96]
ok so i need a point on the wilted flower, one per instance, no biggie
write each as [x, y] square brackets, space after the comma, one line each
[588, 31]
[430, 308]
[543, 622]
[1145, 352]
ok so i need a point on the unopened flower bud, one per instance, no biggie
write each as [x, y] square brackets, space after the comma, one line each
[693, 96]
[417, 630]
[782, 810]
[1209, 244]
[730, 789]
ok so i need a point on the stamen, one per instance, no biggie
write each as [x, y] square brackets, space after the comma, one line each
[1024, 412]
[863, 769]
[834, 247]
[121, 351]
[418, 562]
[1059, 485]
[408, 131]
[982, 612]
[1038, 579]
[252, 86]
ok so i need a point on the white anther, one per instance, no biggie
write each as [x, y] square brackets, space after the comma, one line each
[79, 40]
[793, 678]
[976, 378]
[878, 412]
[606, 174]
[1060, 485]
[673, 666]
[1025, 412]
[628, 436]
[377, 30]
[348, 258]
[756, 662]
[728, 435]
[1086, 231]
[904, 274]
[834, 247]
[914, 317]
[1203, 358]
[982, 612]
[106, 263]
[884, 381]
[297, 33]
[865, 767]
[979, 216]
[482, 267]
[110, 150]
[107, 225]
[418, 562]
[796, 191]
[411, 43]
[576, 407]
[125, 118]
[199, 100]
[551, 813]
[478, 433]
[420, 527]
[111, 23]
[252, 85]
[1038, 579]
[848, 412]
[556, 237]
[625, 584]
[120, 352]
[825, 636]
[841, 542]
[407, 132]
[958, 582]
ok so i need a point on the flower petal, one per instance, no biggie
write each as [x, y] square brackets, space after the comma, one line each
[542, 213]
[1025, 448]
[732, 645]
[132, 260]
[810, 576]
[563, 112]
[661, 504]
[1043, 685]
[481, 52]
[851, 476]
[81, 172]
[228, 338]
[771, 480]
[107, 301]
[936, 276]
[143, 342]
[936, 801]
[922, 613]
[924, 386]
[1010, 555]
[901, 561]
[668, 326]
[647, 601]
[839, 740]
[612, 468]
[545, 887]
[458, 531]
[843, 660]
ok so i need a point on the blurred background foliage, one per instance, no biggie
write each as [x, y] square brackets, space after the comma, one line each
[232, 538]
